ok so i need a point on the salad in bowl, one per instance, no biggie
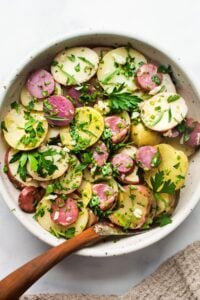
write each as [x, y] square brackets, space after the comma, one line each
[100, 134]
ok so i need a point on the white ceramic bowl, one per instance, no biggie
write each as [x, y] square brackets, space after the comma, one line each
[186, 86]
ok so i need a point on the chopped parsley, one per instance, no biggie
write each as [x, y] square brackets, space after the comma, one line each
[3, 126]
[67, 234]
[86, 61]
[14, 105]
[119, 101]
[173, 98]
[156, 79]
[163, 220]
[161, 186]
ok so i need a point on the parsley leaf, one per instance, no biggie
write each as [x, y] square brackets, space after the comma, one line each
[161, 186]
[173, 98]
[119, 101]
[3, 126]
[163, 220]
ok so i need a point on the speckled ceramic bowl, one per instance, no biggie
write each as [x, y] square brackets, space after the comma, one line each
[187, 87]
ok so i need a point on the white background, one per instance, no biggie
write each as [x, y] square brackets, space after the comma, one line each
[27, 24]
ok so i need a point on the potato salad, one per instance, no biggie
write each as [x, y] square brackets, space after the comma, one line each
[102, 134]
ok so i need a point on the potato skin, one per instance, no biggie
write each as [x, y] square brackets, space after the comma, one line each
[142, 136]
[174, 164]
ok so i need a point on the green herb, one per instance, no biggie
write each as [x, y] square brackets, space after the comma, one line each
[94, 204]
[44, 93]
[40, 211]
[68, 233]
[156, 79]
[30, 105]
[161, 186]
[5, 168]
[119, 101]
[110, 76]
[77, 68]
[107, 134]
[70, 78]
[33, 162]
[176, 166]
[163, 220]
[3, 126]
[164, 69]
[40, 164]
[86, 61]
[15, 157]
[106, 169]
[46, 83]
[156, 160]
[169, 115]
[173, 98]
[72, 58]
[49, 189]
[54, 63]
[14, 105]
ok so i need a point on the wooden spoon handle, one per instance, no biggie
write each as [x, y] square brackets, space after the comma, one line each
[16, 283]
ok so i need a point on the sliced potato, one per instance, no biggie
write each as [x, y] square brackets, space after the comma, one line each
[32, 103]
[20, 126]
[59, 160]
[74, 65]
[174, 164]
[134, 206]
[112, 72]
[85, 191]
[163, 111]
[44, 219]
[142, 136]
[165, 203]
[87, 129]
[13, 174]
[175, 142]
[70, 180]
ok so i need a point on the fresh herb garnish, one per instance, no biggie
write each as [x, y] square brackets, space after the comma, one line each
[156, 79]
[119, 101]
[5, 168]
[77, 68]
[173, 98]
[14, 105]
[161, 186]
[94, 204]
[67, 234]
[86, 61]
[163, 220]
[3, 126]
[156, 160]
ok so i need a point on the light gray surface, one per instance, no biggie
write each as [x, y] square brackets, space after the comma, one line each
[26, 24]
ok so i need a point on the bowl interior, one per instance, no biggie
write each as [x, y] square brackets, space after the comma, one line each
[188, 195]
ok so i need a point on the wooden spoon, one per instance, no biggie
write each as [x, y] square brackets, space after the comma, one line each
[16, 283]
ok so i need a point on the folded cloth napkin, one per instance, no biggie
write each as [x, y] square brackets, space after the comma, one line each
[177, 278]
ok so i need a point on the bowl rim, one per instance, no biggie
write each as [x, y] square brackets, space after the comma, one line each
[160, 233]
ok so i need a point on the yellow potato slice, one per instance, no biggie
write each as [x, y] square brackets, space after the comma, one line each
[174, 164]
[142, 136]
[87, 129]
[175, 142]
[20, 125]
[134, 206]
[85, 191]
[112, 71]
[70, 180]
